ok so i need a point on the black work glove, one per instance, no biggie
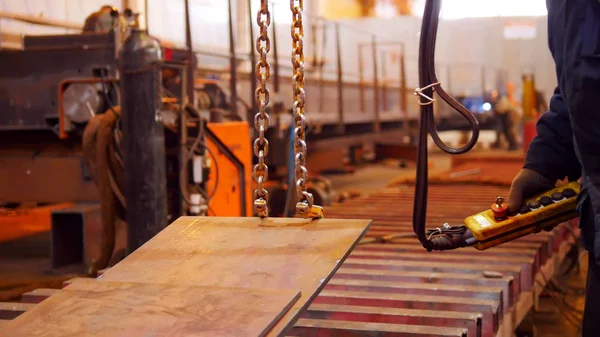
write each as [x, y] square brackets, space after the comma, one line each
[526, 184]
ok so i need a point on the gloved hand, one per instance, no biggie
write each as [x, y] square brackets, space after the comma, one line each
[526, 184]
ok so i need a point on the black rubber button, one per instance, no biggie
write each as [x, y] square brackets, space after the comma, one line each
[533, 204]
[569, 193]
[557, 196]
[546, 200]
[524, 209]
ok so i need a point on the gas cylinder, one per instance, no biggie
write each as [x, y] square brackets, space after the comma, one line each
[140, 61]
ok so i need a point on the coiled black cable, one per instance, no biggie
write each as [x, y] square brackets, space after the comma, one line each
[447, 237]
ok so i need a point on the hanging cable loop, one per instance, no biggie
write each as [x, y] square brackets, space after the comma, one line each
[446, 237]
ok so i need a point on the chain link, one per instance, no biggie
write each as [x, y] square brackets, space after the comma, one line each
[305, 205]
[261, 119]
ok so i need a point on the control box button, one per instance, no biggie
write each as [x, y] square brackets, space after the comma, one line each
[546, 201]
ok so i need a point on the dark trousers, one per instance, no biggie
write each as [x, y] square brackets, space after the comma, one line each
[505, 127]
[591, 322]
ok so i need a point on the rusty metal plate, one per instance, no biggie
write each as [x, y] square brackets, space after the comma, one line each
[489, 309]
[497, 252]
[274, 253]
[467, 320]
[510, 289]
[491, 263]
[474, 292]
[364, 288]
[427, 266]
[90, 307]
[327, 328]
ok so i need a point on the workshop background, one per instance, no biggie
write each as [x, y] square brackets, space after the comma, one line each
[361, 59]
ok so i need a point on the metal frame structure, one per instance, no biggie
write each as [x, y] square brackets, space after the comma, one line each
[343, 126]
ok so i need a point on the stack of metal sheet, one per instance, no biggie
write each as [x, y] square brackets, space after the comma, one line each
[391, 286]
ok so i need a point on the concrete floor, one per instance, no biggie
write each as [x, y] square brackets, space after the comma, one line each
[373, 177]
[25, 266]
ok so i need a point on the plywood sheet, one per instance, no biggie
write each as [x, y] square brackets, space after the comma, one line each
[276, 253]
[94, 308]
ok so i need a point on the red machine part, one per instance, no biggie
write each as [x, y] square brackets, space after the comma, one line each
[500, 208]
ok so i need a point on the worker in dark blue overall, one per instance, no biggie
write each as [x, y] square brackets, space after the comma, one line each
[568, 140]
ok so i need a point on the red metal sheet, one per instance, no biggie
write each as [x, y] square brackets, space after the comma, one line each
[510, 289]
[37, 295]
[391, 287]
[428, 266]
[10, 310]
[430, 318]
[491, 263]
[489, 309]
[327, 328]
[497, 252]
[400, 275]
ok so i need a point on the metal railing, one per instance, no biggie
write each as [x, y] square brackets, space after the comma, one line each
[326, 75]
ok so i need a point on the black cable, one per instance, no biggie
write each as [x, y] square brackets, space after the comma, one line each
[211, 211]
[214, 159]
[571, 314]
[201, 190]
[117, 130]
[197, 142]
[106, 96]
[562, 298]
[447, 237]
[567, 289]
[188, 155]
[226, 114]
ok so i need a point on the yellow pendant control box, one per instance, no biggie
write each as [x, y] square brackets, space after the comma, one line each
[542, 212]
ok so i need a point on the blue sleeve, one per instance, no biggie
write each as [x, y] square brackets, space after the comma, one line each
[552, 153]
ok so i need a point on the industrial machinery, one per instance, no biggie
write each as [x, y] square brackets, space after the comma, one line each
[70, 112]
[75, 105]
[300, 254]
[492, 227]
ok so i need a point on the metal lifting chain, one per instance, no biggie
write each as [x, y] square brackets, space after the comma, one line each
[305, 205]
[261, 119]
